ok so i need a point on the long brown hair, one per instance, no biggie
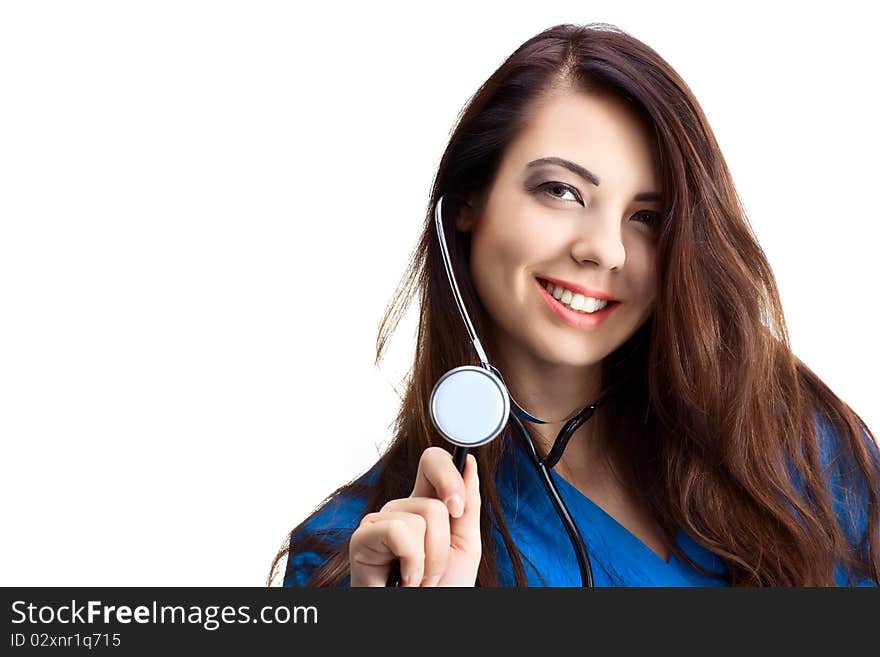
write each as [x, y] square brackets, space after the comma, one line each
[715, 416]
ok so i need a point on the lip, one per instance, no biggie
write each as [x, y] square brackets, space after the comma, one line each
[572, 317]
[574, 287]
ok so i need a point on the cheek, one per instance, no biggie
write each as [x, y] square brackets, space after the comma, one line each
[644, 275]
[492, 248]
[520, 240]
[489, 257]
[496, 256]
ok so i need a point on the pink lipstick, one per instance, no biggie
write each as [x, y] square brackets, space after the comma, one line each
[573, 317]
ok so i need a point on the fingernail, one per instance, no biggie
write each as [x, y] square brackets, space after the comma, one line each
[431, 581]
[455, 505]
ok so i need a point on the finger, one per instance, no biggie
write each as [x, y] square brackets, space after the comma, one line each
[382, 538]
[438, 477]
[465, 531]
[437, 533]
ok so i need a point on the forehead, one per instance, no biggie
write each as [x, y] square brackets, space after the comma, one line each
[599, 132]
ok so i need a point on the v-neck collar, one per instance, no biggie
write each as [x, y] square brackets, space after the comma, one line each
[623, 556]
[625, 535]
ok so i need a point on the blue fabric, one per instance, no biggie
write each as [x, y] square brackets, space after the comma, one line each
[618, 557]
[850, 503]
[335, 522]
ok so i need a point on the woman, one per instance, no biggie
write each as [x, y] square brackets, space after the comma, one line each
[582, 168]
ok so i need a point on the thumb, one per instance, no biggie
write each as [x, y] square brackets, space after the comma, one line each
[466, 528]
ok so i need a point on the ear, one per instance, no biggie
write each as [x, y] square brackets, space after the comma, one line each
[466, 216]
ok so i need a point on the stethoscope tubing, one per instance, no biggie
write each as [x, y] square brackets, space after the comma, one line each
[574, 534]
[515, 411]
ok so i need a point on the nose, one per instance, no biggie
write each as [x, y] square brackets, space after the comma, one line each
[600, 241]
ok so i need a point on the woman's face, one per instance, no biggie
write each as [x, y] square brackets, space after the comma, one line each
[596, 230]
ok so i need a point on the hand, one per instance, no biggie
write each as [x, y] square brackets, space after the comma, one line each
[436, 539]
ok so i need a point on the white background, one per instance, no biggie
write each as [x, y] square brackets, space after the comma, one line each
[206, 206]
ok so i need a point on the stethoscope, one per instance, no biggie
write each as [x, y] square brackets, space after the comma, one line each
[470, 406]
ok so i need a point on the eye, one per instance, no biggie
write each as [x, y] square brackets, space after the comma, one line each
[652, 217]
[558, 185]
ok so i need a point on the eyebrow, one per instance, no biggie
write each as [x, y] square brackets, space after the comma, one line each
[588, 175]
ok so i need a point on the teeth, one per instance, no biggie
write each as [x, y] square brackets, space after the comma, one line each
[575, 301]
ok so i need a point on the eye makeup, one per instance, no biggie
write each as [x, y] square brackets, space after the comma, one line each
[535, 181]
[555, 184]
[539, 169]
[539, 185]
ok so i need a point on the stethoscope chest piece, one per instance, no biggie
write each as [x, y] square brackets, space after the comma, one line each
[469, 406]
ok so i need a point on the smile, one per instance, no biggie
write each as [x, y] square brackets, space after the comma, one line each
[575, 309]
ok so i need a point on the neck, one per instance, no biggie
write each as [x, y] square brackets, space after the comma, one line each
[550, 391]
[555, 393]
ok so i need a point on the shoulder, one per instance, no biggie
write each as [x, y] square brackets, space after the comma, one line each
[328, 529]
[849, 489]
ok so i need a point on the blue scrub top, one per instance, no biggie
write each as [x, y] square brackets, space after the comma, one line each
[617, 556]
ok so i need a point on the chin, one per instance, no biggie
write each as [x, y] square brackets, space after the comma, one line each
[575, 357]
